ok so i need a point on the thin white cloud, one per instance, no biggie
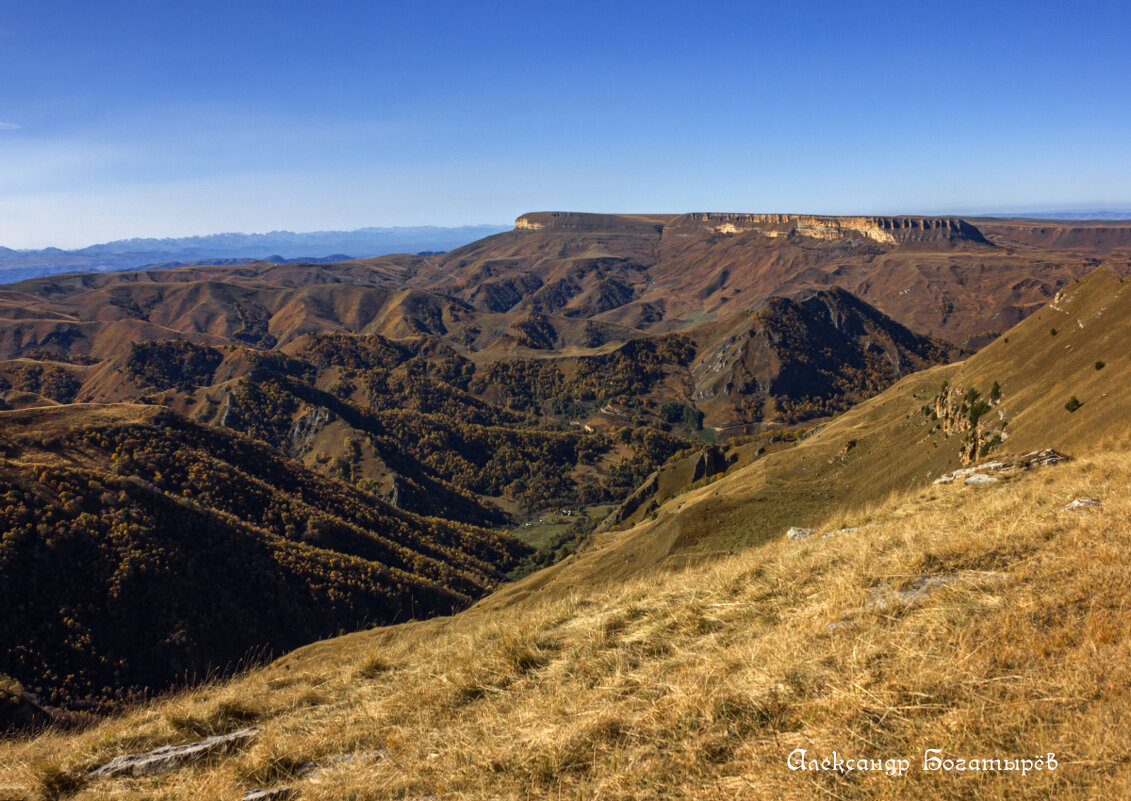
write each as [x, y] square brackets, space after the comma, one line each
[9, 126]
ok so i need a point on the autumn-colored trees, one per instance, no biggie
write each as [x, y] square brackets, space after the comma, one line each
[198, 547]
[169, 363]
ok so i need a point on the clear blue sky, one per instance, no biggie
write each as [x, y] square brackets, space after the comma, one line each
[123, 118]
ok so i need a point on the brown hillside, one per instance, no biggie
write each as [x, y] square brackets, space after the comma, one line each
[392, 410]
[899, 440]
[141, 550]
[1102, 239]
[596, 278]
[941, 276]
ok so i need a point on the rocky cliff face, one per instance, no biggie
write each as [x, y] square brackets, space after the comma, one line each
[576, 221]
[979, 421]
[884, 230]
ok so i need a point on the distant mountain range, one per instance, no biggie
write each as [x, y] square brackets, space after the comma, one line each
[1086, 214]
[236, 248]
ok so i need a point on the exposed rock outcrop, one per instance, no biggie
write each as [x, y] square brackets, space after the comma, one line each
[172, 757]
[989, 472]
[981, 421]
[583, 221]
[886, 598]
[306, 428]
[273, 794]
[634, 501]
[314, 771]
[712, 461]
[881, 230]
[876, 230]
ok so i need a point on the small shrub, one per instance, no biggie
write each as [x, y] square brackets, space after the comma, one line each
[1073, 404]
[989, 445]
[373, 667]
[271, 765]
[977, 411]
[1052, 331]
[1100, 365]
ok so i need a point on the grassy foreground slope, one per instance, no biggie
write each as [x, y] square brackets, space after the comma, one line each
[701, 686]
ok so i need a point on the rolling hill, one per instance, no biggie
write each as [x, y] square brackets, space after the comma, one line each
[696, 652]
[940, 276]
[142, 550]
[445, 429]
[593, 276]
[928, 424]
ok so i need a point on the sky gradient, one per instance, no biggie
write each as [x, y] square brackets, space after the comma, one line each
[128, 118]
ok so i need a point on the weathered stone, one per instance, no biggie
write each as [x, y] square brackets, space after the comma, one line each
[967, 472]
[796, 533]
[314, 770]
[1004, 466]
[846, 530]
[273, 794]
[306, 428]
[711, 461]
[884, 597]
[172, 757]
[1042, 457]
[980, 480]
[1080, 504]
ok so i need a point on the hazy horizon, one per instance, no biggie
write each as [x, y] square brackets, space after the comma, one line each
[1083, 214]
[124, 121]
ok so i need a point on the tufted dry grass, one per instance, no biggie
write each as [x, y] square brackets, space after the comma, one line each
[699, 684]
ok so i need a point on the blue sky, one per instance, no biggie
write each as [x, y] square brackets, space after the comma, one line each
[164, 118]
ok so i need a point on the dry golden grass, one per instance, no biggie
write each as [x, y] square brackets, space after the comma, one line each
[698, 684]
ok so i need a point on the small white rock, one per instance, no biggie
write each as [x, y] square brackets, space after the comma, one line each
[980, 480]
[274, 794]
[1082, 503]
[797, 533]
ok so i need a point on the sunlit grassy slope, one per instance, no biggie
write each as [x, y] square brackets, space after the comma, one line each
[689, 656]
[700, 686]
